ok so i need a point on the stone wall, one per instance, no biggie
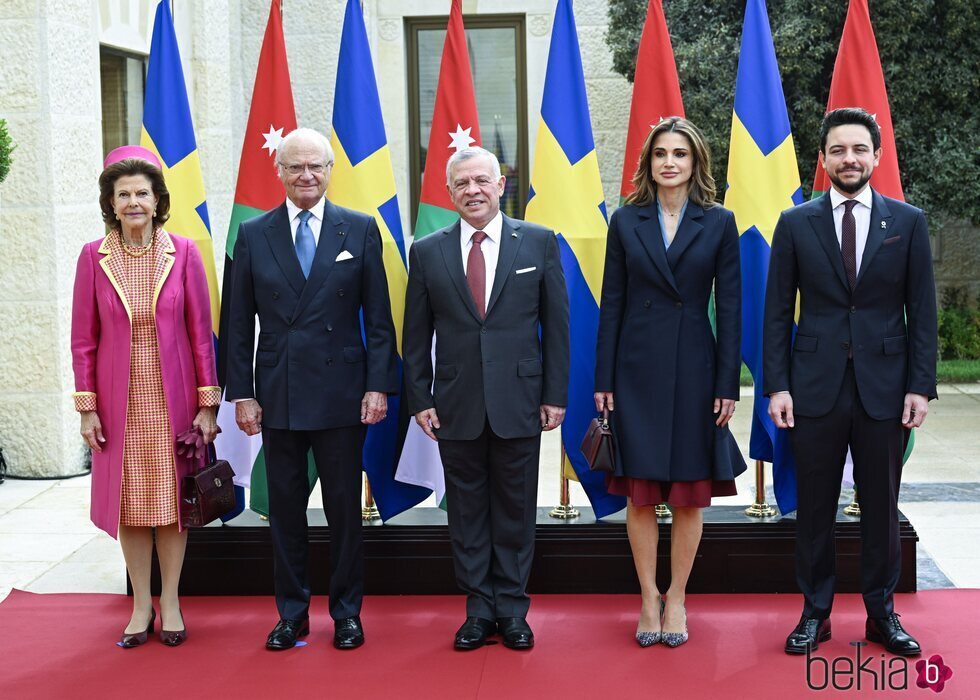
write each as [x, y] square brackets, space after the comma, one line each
[49, 95]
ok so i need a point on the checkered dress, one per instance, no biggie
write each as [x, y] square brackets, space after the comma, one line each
[149, 481]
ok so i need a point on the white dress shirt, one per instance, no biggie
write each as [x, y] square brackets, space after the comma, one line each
[862, 219]
[490, 248]
[315, 221]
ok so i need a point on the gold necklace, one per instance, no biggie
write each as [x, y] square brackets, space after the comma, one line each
[136, 251]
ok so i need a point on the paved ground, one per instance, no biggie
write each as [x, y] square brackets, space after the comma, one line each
[48, 544]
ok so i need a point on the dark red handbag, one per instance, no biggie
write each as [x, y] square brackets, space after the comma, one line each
[210, 492]
[597, 445]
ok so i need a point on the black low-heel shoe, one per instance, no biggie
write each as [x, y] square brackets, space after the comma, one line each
[128, 641]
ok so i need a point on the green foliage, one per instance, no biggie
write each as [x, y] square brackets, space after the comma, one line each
[928, 51]
[959, 326]
[6, 148]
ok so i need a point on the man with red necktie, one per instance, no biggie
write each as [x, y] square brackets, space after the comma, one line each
[860, 371]
[492, 290]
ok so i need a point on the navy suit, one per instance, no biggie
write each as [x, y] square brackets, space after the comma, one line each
[855, 355]
[312, 366]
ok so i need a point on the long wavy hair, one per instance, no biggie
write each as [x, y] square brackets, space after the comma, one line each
[701, 187]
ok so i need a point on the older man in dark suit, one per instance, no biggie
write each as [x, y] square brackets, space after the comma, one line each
[860, 371]
[492, 290]
[310, 270]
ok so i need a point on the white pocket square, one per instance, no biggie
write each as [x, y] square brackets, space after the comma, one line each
[526, 269]
[344, 255]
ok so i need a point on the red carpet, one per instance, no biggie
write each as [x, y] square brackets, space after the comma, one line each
[63, 646]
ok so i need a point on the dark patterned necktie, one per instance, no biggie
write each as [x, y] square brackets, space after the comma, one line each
[848, 242]
[476, 273]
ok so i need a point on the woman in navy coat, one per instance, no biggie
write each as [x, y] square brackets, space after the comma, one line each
[668, 381]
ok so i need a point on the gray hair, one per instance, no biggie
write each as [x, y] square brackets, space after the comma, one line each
[304, 134]
[467, 153]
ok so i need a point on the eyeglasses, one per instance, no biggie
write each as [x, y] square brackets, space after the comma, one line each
[299, 168]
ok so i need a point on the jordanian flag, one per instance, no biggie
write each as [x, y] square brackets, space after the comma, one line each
[454, 126]
[270, 118]
[656, 91]
[858, 81]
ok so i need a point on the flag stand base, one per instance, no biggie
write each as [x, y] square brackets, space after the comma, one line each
[854, 509]
[662, 511]
[760, 509]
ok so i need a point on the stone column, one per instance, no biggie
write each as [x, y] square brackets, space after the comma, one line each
[49, 73]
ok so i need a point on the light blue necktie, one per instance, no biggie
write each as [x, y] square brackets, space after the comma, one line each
[305, 245]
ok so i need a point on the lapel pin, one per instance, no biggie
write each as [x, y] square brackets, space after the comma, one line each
[341, 233]
[884, 224]
[513, 235]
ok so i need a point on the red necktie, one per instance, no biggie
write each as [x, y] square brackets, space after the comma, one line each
[476, 273]
[848, 242]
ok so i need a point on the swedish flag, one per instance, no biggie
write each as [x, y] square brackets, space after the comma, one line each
[363, 180]
[169, 132]
[763, 180]
[566, 195]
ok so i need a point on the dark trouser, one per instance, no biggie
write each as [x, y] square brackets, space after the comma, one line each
[337, 454]
[820, 450]
[491, 499]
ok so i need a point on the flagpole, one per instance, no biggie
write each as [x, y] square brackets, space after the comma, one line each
[564, 510]
[760, 509]
[369, 511]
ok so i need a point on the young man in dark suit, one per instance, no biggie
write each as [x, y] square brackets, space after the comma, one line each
[492, 290]
[860, 371]
[310, 270]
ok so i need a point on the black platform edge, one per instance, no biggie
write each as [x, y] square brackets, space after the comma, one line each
[411, 555]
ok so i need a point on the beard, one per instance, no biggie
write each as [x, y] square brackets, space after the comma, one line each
[850, 187]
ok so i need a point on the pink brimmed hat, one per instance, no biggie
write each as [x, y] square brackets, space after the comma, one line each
[138, 152]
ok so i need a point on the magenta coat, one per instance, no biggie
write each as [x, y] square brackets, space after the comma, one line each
[100, 346]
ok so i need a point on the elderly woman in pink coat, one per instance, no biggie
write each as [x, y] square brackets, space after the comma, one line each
[143, 356]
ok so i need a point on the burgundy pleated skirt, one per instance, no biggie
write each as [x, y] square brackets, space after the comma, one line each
[685, 494]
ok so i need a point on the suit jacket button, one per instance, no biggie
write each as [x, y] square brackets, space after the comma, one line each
[853, 309]
[329, 327]
[340, 292]
[845, 346]
[679, 304]
[275, 295]
[483, 330]
[292, 330]
[329, 360]
[289, 319]
[646, 304]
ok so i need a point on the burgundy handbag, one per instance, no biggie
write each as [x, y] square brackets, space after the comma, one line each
[597, 445]
[210, 492]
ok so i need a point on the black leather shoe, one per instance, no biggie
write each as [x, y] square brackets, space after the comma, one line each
[473, 634]
[888, 631]
[285, 634]
[516, 632]
[348, 633]
[808, 634]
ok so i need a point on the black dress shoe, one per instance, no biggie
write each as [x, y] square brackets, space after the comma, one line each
[473, 634]
[348, 633]
[807, 635]
[285, 634]
[516, 632]
[888, 631]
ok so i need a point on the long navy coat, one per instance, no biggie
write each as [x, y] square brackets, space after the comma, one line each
[656, 351]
